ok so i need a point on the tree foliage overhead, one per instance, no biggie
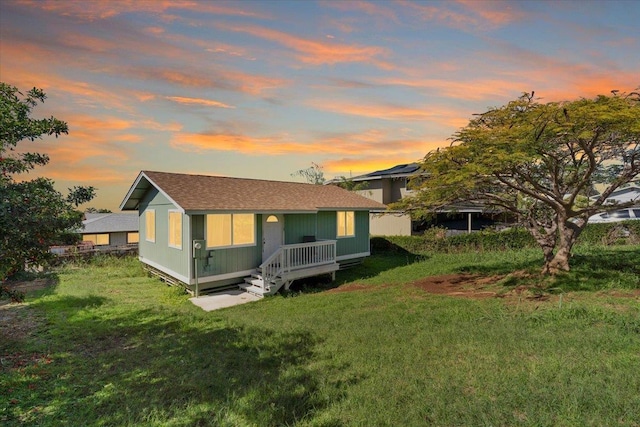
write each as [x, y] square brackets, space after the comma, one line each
[312, 175]
[33, 215]
[351, 185]
[538, 161]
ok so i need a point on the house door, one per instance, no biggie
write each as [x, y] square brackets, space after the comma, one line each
[272, 234]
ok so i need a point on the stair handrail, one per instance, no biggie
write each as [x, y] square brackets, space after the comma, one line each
[281, 261]
[271, 269]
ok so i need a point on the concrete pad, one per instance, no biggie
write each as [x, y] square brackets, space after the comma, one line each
[223, 299]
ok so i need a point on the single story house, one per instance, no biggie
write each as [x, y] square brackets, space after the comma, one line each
[209, 231]
[109, 230]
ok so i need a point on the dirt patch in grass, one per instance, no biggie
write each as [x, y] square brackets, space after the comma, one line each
[465, 285]
[29, 285]
[631, 293]
[460, 285]
[17, 321]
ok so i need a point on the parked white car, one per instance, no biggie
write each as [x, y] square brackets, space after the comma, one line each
[615, 216]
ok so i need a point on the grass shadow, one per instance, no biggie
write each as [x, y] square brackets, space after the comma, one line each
[147, 367]
[593, 269]
[370, 267]
[29, 285]
[503, 267]
[601, 269]
[70, 303]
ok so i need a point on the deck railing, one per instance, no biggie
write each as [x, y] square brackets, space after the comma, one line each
[298, 256]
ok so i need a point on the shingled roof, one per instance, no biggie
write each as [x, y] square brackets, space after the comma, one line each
[216, 193]
[109, 223]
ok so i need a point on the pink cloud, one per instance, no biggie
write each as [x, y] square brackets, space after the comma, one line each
[344, 144]
[370, 8]
[442, 115]
[314, 52]
[466, 15]
[97, 10]
[198, 101]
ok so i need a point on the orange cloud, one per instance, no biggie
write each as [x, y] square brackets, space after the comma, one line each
[104, 141]
[198, 101]
[85, 174]
[217, 79]
[473, 90]
[353, 144]
[372, 9]
[558, 79]
[314, 52]
[465, 15]
[33, 73]
[210, 46]
[441, 115]
[95, 10]
[369, 161]
[239, 143]
[496, 14]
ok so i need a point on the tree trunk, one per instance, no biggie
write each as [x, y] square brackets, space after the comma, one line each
[568, 233]
[546, 237]
[559, 262]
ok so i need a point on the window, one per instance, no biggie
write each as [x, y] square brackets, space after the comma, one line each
[133, 237]
[96, 239]
[150, 225]
[272, 218]
[230, 230]
[620, 214]
[175, 229]
[346, 224]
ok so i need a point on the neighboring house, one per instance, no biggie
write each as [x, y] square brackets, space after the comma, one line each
[624, 195]
[390, 185]
[208, 232]
[109, 230]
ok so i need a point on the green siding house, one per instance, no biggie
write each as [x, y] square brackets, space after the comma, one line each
[208, 231]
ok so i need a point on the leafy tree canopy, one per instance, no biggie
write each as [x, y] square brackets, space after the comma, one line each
[351, 185]
[538, 161]
[33, 215]
[313, 174]
[97, 210]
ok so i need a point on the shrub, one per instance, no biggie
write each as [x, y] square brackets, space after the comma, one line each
[435, 239]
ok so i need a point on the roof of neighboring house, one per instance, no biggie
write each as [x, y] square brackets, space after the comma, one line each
[398, 171]
[109, 223]
[216, 193]
[625, 194]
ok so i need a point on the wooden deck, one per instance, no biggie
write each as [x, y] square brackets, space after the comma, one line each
[293, 262]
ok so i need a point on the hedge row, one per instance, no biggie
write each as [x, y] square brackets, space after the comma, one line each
[436, 240]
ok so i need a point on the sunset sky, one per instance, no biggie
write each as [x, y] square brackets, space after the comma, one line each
[260, 89]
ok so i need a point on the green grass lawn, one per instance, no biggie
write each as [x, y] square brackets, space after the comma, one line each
[107, 346]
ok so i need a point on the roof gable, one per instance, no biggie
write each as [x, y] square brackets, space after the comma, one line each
[216, 193]
[110, 223]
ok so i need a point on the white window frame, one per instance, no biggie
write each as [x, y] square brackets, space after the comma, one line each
[146, 225]
[232, 245]
[174, 245]
[345, 231]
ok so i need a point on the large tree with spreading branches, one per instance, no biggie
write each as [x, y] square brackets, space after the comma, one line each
[33, 215]
[540, 162]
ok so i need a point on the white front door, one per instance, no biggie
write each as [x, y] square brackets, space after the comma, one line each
[272, 234]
